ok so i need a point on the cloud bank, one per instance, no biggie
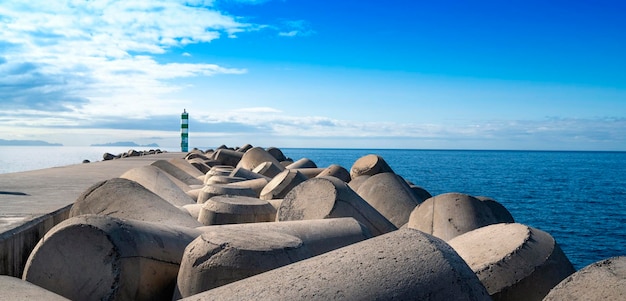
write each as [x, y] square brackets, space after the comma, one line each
[93, 57]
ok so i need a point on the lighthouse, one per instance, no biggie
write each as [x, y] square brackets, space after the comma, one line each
[184, 131]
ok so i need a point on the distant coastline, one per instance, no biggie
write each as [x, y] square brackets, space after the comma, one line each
[4, 142]
[126, 143]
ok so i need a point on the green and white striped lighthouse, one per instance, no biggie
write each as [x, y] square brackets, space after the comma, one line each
[184, 131]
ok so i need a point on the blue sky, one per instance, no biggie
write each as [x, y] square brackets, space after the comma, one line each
[539, 75]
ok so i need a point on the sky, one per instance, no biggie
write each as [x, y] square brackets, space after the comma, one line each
[519, 75]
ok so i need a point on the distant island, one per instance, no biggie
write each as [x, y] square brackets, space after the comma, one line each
[126, 143]
[27, 143]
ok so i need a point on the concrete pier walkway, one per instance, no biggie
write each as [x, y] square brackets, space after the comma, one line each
[32, 202]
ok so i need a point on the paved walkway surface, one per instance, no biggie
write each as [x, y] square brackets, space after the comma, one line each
[27, 195]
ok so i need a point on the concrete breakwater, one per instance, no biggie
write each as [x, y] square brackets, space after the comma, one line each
[250, 223]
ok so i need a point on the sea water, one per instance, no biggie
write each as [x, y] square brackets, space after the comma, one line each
[577, 197]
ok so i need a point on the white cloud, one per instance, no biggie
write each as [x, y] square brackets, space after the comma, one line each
[103, 53]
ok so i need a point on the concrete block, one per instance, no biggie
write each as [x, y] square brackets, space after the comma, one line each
[401, 265]
[420, 193]
[390, 195]
[336, 171]
[245, 173]
[268, 169]
[123, 198]
[212, 190]
[276, 153]
[513, 261]
[499, 211]
[329, 197]
[201, 164]
[309, 172]
[94, 257]
[227, 157]
[257, 156]
[256, 185]
[602, 280]
[281, 184]
[186, 167]
[192, 209]
[224, 254]
[244, 148]
[159, 182]
[450, 214]
[369, 165]
[222, 180]
[178, 173]
[355, 183]
[302, 163]
[231, 209]
[13, 288]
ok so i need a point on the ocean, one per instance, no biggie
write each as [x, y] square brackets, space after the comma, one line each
[577, 197]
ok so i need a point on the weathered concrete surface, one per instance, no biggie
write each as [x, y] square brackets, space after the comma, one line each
[222, 256]
[302, 163]
[212, 190]
[389, 193]
[92, 257]
[451, 214]
[369, 165]
[16, 289]
[161, 183]
[257, 156]
[329, 197]
[256, 185]
[499, 211]
[234, 209]
[602, 280]
[401, 265]
[513, 261]
[281, 184]
[177, 172]
[123, 198]
[31, 202]
[249, 249]
[319, 235]
[336, 171]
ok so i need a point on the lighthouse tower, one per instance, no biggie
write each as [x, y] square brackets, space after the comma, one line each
[184, 131]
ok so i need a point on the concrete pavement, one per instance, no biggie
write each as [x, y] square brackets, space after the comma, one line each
[32, 202]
